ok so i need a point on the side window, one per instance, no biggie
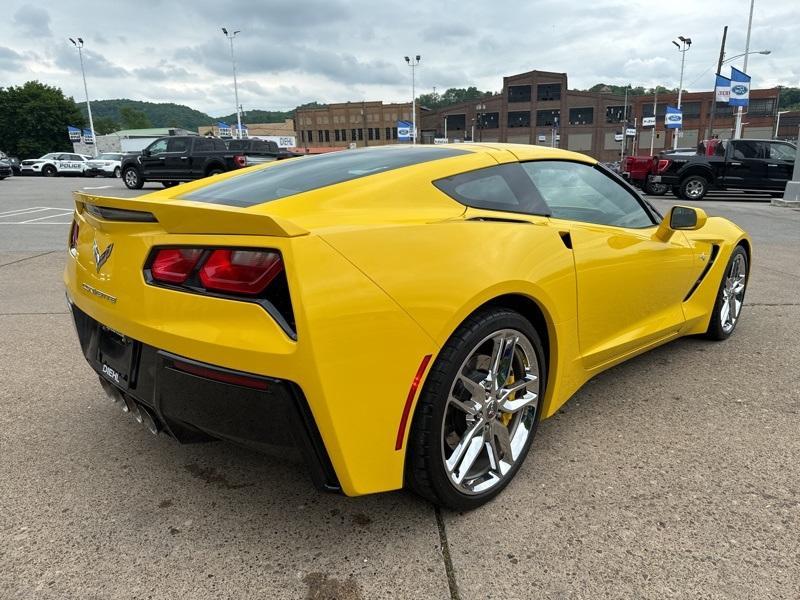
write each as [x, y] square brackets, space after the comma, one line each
[158, 147]
[203, 145]
[502, 187]
[581, 192]
[781, 152]
[749, 149]
[177, 145]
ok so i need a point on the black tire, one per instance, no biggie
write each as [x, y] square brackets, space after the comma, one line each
[132, 179]
[214, 171]
[716, 330]
[655, 189]
[425, 470]
[776, 194]
[694, 187]
[49, 171]
[169, 184]
[676, 191]
[117, 173]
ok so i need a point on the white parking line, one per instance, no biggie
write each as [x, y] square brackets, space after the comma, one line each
[62, 214]
[19, 211]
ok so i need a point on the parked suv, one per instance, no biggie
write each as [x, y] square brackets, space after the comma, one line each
[258, 151]
[171, 160]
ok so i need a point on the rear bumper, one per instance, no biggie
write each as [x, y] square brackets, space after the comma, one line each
[664, 179]
[272, 417]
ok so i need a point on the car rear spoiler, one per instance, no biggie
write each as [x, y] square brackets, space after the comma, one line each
[180, 216]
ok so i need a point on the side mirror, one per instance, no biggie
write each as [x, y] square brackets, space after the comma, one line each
[145, 152]
[681, 218]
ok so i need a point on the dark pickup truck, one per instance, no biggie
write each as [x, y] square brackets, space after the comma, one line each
[171, 160]
[265, 150]
[758, 165]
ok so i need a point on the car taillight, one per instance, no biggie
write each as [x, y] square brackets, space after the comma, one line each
[174, 265]
[73, 235]
[240, 271]
[240, 160]
[662, 165]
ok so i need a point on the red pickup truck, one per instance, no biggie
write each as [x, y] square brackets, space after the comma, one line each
[636, 169]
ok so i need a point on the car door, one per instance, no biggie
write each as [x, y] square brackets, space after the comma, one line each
[780, 164]
[630, 284]
[746, 164]
[153, 159]
[176, 162]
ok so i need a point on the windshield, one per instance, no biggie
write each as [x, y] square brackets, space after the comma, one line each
[50, 155]
[300, 175]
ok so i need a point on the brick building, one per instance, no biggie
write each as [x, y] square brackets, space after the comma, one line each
[361, 123]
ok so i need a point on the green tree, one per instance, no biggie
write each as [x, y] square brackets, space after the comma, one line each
[451, 96]
[105, 125]
[133, 118]
[34, 119]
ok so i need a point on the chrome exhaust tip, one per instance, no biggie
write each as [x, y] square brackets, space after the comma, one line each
[149, 420]
[113, 393]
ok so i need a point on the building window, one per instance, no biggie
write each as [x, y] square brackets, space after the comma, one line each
[661, 109]
[327, 135]
[344, 135]
[377, 133]
[302, 136]
[547, 118]
[394, 133]
[370, 135]
[489, 120]
[456, 122]
[337, 135]
[614, 114]
[388, 133]
[723, 109]
[520, 118]
[762, 107]
[353, 136]
[360, 134]
[581, 116]
[691, 110]
[309, 136]
[519, 93]
[548, 91]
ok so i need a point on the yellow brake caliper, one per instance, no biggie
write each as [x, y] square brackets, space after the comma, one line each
[505, 418]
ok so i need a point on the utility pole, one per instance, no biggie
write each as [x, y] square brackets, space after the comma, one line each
[413, 64]
[230, 37]
[687, 42]
[79, 46]
[738, 131]
[655, 121]
[624, 127]
[714, 95]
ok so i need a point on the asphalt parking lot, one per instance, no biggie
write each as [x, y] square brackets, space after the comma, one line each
[675, 475]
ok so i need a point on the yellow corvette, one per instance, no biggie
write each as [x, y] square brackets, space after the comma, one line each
[401, 315]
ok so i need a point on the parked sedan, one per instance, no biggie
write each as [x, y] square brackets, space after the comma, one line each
[107, 164]
[5, 168]
[406, 315]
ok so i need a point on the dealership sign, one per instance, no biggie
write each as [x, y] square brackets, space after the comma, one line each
[648, 121]
[674, 118]
[404, 131]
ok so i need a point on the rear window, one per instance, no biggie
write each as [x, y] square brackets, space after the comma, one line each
[304, 174]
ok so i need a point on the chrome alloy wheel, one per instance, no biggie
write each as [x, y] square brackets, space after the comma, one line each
[490, 411]
[694, 189]
[733, 293]
[131, 177]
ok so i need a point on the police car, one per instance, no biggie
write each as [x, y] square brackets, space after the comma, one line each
[55, 163]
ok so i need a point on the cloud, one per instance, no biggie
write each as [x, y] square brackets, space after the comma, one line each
[163, 71]
[96, 65]
[9, 60]
[33, 21]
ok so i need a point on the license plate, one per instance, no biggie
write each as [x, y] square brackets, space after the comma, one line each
[655, 178]
[116, 354]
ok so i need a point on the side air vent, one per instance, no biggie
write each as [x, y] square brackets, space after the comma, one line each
[566, 238]
[500, 220]
[119, 214]
[711, 259]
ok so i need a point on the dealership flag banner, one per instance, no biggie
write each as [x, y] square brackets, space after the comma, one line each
[722, 89]
[74, 133]
[403, 131]
[88, 138]
[648, 121]
[740, 88]
[674, 118]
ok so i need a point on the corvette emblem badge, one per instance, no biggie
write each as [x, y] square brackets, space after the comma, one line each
[100, 259]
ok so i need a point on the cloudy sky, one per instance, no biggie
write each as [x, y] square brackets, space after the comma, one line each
[337, 50]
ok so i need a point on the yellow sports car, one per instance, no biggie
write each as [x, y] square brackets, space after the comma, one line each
[402, 315]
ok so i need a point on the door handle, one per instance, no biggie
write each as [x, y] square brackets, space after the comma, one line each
[772, 165]
[184, 158]
[733, 164]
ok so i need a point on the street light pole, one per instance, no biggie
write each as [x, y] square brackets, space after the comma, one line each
[683, 47]
[624, 127]
[413, 64]
[79, 46]
[738, 131]
[230, 37]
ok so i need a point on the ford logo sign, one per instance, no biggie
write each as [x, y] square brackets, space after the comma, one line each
[674, 118]
[739, 90]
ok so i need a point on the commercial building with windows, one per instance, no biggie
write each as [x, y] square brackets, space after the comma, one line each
[536, 107]
[339, 125]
